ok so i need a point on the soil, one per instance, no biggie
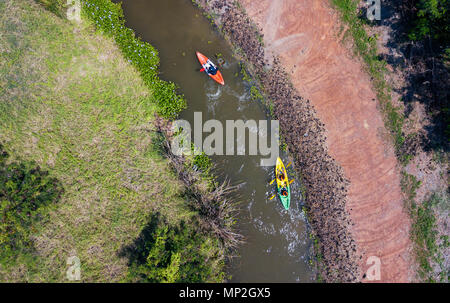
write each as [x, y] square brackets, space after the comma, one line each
[330, 122]
[420, 87]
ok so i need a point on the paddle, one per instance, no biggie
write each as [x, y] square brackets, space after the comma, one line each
[271, 182]
[291, 181]
[272, 197]
[289, 164]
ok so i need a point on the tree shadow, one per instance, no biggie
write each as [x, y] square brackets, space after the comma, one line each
[427, 80]
[136, 252]
[27, 192]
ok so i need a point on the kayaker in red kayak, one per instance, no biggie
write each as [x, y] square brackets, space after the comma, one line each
[210, 69]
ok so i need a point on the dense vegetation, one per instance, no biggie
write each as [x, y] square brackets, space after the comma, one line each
[430, 20]
[168, 254]
[108, 17]
[79, 108]
[25, 191]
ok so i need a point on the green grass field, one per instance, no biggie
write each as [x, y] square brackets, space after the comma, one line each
[70, 102]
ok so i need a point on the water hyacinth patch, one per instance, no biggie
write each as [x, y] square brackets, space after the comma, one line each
[109, 18]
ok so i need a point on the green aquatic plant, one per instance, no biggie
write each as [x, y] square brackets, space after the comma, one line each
[245, 76]
[255, 93]
[108, 17]
[202, 162]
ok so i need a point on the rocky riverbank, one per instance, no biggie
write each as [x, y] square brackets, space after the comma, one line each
[324, 181]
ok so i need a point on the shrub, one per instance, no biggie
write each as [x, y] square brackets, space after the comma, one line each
[169, 254]
[25, 190]
[432, 20]
[169, 103]
[202, 162]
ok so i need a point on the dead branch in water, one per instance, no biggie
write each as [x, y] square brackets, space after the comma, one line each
[217, 211]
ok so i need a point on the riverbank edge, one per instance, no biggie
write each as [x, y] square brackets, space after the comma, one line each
[336, 257]
[213, 200]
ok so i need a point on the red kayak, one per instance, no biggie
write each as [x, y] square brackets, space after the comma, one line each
[209, 68]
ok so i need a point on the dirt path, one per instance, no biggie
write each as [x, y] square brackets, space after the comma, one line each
[303, 34]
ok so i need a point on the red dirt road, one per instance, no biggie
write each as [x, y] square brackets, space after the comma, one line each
[304, 36]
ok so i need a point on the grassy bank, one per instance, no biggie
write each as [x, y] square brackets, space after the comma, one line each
[424, 229]
[423, 217]
[77, 106]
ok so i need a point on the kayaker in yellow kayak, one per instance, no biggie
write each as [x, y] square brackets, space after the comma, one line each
[282, 183]
[281, 177]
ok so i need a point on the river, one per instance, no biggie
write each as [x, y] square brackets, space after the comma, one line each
[277, 246]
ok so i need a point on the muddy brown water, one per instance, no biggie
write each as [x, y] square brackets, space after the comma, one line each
[277, 245]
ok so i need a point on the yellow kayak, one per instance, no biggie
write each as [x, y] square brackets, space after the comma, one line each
[282, 184]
